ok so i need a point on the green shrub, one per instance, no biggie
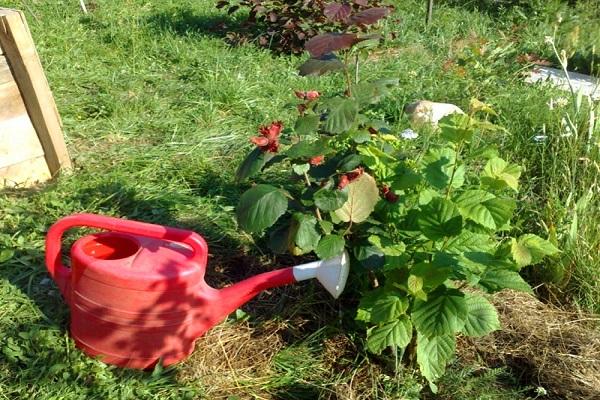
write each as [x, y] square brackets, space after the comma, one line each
[422, 223]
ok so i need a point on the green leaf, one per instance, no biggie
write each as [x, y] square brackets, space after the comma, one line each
[307, 124]
[388, 307]
[349, 162]
[330, 200]
[6, 254]
[431, 275]
[443, 313]
[496, 279]
[482, 317]
[469, 242]
[405, 178]
[456, 128]
[498, 174]
[326, 226]
[341, 115]
[279, 239]
[438, 167]
[372, 92]
[363, 194]
[260, 207]
[366, 304]
[252, 164]
[370, 257]
[321, 65]
[330, 246]
[531, 249]
[306, 235]
[439, 219]
[387, 246]
[306, 149]
[433, 354]
[301, 169]
[485, 209]
[396, 333]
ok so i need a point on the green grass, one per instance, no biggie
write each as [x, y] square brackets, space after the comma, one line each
[157, 110]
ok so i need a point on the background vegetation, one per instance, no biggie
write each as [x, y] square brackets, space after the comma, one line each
[157, 109]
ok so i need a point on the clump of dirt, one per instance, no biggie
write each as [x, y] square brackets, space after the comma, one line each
[551, 347]
[233, 359]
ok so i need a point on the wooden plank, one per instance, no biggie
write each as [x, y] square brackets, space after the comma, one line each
[11, 103]
[26, 173]
[27, 70]
[18, 141]
[5, 74]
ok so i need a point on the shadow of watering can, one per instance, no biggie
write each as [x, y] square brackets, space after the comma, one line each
[137, 292]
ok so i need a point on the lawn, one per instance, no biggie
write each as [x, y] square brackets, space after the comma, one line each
[158, 109]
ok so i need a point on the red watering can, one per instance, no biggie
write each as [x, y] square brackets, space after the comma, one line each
[137, 292]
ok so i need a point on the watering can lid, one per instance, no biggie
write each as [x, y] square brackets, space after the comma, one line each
[153, 264]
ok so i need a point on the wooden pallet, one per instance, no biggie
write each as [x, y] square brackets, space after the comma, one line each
[32, 147]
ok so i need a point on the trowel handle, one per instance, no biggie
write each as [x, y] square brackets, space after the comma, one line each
[54, 237]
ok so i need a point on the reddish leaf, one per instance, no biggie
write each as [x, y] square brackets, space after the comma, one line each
[321, 65]
[370, 16]
[337, 11]
[361, 2]
[328, 42]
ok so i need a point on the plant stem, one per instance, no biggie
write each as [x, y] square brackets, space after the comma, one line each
[429, 12]
[356, 68]
[347, 75]
[306, 180]
[454, 167]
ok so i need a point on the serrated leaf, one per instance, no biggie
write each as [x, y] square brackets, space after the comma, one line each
[363, 194]
[431, 275]
[405, 178]
[496, 279]
[306, 235]
[439, 219]
[388, 307]
[366, 304]
[482, 317]
[372, 92]
[531, 249]
[370, 257]
[279, 239]
[330, 246]
[252, 164]
[498, 174]
[349, 162]
[485, 209]
[414, 284]
[396, 333]
[456, 128]
[300, 169]
[321, 65]
[330, 200]
[467, 242]
[438, 167]
[370, 15]
[326, 226]
[443, 313]
[433, 354]
[307, 124]
[337, 11]
[328, 42]
[306, 149]
[341, 114]
[260, 207]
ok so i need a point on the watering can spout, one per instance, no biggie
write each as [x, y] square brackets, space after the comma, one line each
[332, 274]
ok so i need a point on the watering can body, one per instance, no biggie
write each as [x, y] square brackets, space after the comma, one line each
[137, 292]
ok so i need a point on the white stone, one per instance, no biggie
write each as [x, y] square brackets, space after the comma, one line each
[429, 112]
[588, 85]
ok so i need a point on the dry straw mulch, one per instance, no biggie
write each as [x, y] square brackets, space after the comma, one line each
[551, 347]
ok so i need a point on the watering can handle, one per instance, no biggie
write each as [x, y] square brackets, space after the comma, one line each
[59, 272]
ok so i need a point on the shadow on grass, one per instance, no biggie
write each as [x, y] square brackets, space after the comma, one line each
[184, 21]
